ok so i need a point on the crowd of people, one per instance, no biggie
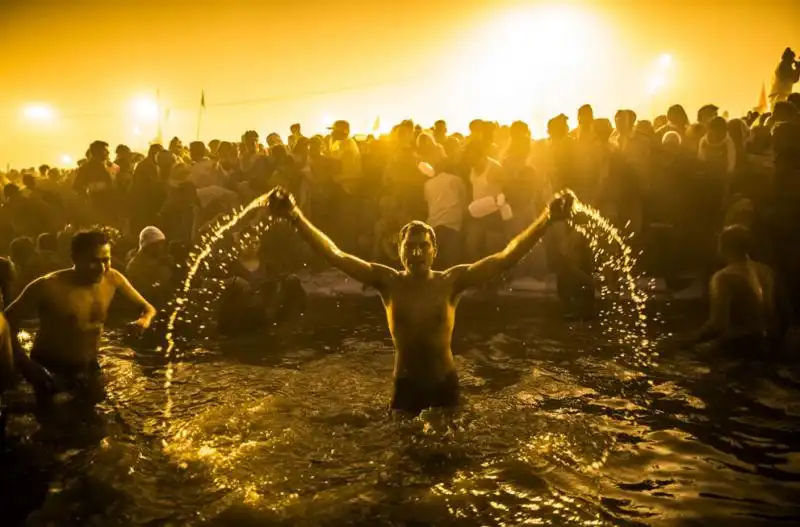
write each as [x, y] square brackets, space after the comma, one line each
[675, 182]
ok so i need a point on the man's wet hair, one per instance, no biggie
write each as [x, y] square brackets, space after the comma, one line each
[84, 242]
[735, 240]
[418, 227]
[21, 249]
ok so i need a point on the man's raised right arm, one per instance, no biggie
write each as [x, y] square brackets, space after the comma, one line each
[372, 274]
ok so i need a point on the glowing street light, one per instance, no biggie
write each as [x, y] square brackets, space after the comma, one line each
[145, 109]
[40, 113]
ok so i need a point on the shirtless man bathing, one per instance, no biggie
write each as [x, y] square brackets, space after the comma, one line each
[71, 305]
[421, 303]
[745, 308]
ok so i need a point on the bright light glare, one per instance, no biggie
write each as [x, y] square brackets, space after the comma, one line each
[665, 61]
[66, 160]
[657, 82]
[531, 63]
[39, 113]
[137, 131]
[145, 109]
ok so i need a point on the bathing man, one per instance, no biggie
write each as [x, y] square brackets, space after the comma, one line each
[420, 303]
[745, 309]
[72, 305]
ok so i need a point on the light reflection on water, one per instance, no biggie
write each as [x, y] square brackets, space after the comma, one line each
[287, 432]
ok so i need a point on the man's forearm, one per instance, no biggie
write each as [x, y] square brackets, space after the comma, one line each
[318, 240]
[527, 239]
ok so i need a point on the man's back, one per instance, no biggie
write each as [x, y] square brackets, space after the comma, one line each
[750, 295]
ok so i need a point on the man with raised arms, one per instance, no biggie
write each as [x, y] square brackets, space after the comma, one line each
[421, 303]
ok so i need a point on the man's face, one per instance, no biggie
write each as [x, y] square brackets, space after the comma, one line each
[93, 266]
[417, 252]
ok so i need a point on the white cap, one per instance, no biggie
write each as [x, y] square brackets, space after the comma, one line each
[150, 235]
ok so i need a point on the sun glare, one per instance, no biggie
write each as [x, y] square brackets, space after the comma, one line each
[531, 64]
[145, 110]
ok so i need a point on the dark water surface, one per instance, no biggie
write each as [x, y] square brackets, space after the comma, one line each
[292, 429]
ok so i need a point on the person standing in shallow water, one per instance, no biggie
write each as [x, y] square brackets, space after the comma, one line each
[420, 303]
[72, 305]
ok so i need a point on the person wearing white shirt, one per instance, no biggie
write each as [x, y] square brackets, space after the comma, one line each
[446, 196]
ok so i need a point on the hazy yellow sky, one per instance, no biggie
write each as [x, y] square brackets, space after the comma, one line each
[264, 65]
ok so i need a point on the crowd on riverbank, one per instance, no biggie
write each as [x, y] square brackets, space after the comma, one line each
[674, 182]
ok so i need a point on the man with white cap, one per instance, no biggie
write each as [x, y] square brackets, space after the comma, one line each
[150, 269]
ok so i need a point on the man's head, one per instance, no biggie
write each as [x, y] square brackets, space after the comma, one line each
[47, 242]
[676, 115]
[154, 150]
[197, 151]
[91, 255]
[340, 130]
[29, 181]
[734, 242]
[11, 192]
[152, 241]
[706, 113]
[99, 151]
[440, 129]
[788, 55]
[717, 129]
[557, 127]
[519, 131]
[671, 142]
[21, 250]
[295, 129]
[585, 115]
[43, 170]
[250, 140]
[417, 247]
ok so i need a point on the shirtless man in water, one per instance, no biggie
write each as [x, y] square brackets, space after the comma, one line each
[72, 305]
[421, 303]
[743, 317]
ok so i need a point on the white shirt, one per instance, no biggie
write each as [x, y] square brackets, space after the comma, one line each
[483, 184]
[446, 196]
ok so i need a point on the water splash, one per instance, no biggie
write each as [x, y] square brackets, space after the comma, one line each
[624, 319]
[203, 250]
[616, 265]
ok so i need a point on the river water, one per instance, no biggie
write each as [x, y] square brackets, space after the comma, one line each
[291, 428]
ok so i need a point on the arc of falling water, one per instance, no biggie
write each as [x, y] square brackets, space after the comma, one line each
[597, 230]
[203, 252]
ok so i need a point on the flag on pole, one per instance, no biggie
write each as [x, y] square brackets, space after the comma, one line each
[762, 99]
[376, 126]
[159, 130]
[200, 112]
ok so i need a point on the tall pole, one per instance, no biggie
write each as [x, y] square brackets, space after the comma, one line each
[159, 130]
[200, 113]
